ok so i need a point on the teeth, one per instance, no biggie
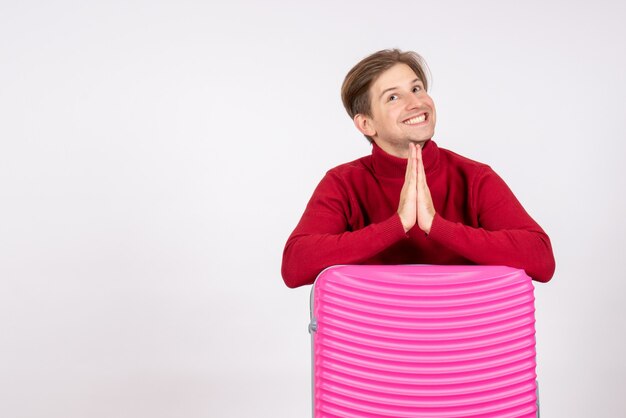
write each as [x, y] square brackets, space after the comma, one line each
[417, 119]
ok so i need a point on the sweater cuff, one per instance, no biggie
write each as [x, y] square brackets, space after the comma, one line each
[391, 230]
[441, 230]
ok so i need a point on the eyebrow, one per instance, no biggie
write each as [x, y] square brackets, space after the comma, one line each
[394, 88]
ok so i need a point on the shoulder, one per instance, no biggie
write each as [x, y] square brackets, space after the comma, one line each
[358, 167]
[342, 179]
[474, 174]
[463, 163]
[482, 180]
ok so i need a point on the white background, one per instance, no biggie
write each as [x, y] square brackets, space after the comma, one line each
[155, 156]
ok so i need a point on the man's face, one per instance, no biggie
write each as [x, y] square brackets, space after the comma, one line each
[402, 111]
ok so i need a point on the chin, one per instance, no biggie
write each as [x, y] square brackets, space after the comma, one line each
[424, 138]
[420, 139]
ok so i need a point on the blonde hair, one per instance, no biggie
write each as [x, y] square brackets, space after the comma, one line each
[356, 85]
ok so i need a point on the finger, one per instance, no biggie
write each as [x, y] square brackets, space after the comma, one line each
[411, 166]
[408, 166]
[421, 175]
[422, 183]
[413, 157]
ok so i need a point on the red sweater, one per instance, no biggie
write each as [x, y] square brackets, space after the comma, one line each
[352, 219]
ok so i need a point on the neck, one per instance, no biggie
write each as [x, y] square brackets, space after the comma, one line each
[389, 165]
[399, 150]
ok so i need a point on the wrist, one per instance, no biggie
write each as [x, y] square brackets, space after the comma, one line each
[406, 225]
[428, 224]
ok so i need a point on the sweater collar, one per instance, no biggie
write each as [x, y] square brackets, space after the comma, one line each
[387, 165]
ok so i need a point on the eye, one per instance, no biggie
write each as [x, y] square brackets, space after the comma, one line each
[392, 97]
[417, 89]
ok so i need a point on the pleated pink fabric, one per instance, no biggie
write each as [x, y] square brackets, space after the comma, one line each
[423, 341]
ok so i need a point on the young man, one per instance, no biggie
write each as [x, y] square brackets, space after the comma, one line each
[409, 202]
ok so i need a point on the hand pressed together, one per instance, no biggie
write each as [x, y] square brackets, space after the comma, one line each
[416, 204]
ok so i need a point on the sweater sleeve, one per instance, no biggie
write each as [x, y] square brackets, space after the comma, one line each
[324, 236]
[506, 234]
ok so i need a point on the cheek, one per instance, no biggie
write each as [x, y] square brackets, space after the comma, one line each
[431, 103]
[385, 118]
[394, 115]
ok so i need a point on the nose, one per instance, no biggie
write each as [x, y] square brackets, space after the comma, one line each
[413, 101]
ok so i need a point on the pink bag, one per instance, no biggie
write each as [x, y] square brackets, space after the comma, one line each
[423, 341]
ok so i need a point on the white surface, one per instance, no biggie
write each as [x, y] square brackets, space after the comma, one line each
[154, 157]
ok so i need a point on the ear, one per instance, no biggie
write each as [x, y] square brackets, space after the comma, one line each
[365, 125]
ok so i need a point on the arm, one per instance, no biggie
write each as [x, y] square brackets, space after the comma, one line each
[323, 237]
[506, 235]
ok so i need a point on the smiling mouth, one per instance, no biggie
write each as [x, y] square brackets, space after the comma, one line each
[416, 120]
